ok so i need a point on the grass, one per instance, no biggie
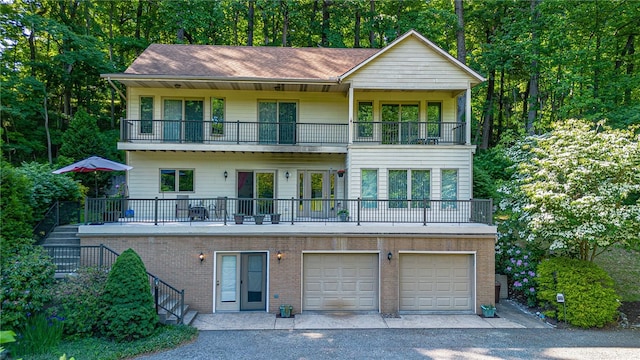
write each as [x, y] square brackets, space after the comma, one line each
[624, 267]
[165, 337]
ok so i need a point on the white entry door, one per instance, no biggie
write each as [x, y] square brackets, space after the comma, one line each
[241, 281]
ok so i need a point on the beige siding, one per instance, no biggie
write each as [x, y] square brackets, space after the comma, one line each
[144, 178]
[435, 158]
[410, 65]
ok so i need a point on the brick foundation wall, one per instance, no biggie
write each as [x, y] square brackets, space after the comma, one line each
[175, 260]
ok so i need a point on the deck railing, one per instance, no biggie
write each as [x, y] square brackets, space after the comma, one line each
[223, 209]
[60, 213]
[69, 259]
[290, 133]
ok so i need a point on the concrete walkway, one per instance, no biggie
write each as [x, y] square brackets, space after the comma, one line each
[510, 315]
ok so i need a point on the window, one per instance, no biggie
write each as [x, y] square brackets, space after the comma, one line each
[365, 119]
[176, 180]
[146, 115]
[369, 188]
[400, 123]
[412, 185]
[449, 188]
[217, 116]
[434, 119]
[398, 188]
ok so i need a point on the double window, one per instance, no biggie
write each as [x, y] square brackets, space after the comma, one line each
[414, 185]
[176, 180]
[183, 120]
[400, 123]
[277, 121]
[369, 188]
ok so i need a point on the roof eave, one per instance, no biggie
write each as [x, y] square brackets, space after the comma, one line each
[136, 77]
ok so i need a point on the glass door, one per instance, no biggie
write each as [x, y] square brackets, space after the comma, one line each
[318, 187]
[227, 282]
[287, 118]
[172, 119]
[253, 281]
[267, 115]
[194, 120]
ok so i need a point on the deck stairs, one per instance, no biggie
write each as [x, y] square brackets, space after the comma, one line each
[67, 261]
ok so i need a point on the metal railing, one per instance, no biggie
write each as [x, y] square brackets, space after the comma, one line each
[60, 213]
[69, 259]
[232, 132]
[290, 133]
[409, 133]
[223, 209]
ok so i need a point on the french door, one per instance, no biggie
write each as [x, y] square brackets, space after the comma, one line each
[318, 188]
[256, 185]
[277, 122]
[183, 120]
[241, 281]
[400, 123]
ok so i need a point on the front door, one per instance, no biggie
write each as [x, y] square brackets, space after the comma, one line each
[241, 281]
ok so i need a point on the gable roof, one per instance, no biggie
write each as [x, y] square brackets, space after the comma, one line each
[262, 63]
[412, 33]
[246, 62]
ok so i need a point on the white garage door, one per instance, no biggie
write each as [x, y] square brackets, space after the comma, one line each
[436, 282]
[340, 282]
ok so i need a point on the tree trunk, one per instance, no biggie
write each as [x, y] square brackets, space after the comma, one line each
[534, 102]
[356, 30]
[138, 17]
[500, 108]
[285, 22]
[46, 125]
[325, 23]
[372, 32]
[487, 123]
[250, 22]
[462, 55]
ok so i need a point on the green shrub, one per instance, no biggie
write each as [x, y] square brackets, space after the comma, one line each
[39, 334]
[27, 274]
[16, 216]
[77, 300]
[588, 290]
[129, 308]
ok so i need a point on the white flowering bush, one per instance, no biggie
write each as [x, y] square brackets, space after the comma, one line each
[575, 189]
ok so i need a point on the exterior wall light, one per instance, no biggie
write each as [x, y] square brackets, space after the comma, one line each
[389, 256]
[287, 175]
[226, 175]
[279, 255]
[201, 257]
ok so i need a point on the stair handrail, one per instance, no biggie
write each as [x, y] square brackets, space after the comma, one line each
[51, 220]
[157, 282]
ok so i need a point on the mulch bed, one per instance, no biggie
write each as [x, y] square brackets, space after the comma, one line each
[632, 311]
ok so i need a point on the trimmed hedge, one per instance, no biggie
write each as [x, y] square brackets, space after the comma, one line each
[129, 308]
[588, 290]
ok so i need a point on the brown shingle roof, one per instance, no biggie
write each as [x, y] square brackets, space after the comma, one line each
[211, 61]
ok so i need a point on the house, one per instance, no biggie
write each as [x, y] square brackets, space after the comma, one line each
[304, 136]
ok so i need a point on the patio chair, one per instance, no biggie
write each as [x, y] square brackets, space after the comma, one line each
[182, 206]
[220, 208]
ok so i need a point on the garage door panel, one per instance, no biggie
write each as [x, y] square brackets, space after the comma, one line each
[348, 282]
[436, 282]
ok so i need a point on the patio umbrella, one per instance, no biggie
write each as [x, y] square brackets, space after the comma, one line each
[93, 164]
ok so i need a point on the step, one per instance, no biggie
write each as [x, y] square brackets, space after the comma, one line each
[189, 317]
[172, 319]
[62, 241]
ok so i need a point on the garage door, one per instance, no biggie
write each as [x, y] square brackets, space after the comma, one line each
[436, 282]
[340, 282]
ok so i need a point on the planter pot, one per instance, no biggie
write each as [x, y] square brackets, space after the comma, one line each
[258, 219]
[488, 311]
[343, 217]
[275, 218]
[285, 311]
[239, 219]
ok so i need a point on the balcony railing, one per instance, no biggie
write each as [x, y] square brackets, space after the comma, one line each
[288, 133]
[223, 209]
[409, 132]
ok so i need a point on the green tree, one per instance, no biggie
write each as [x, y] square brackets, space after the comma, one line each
[129, 309]
[575, 189]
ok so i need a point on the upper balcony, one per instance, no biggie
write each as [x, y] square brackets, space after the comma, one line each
[282, 136]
